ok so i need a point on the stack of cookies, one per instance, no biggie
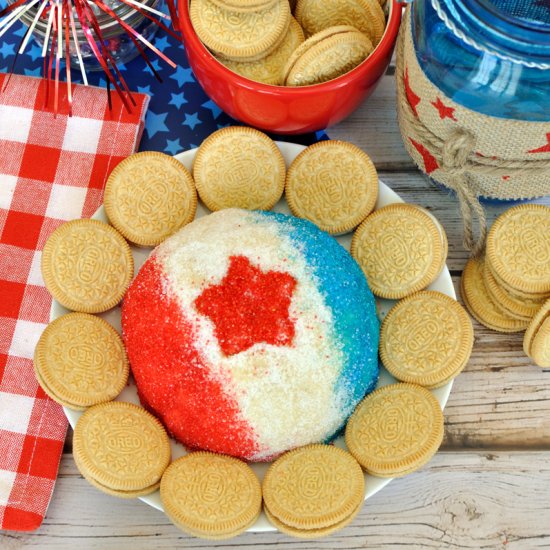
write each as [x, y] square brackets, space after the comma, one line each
[506, 290]
[536, 342]
[261, 40]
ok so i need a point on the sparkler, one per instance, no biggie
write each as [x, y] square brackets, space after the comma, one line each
[61, 30]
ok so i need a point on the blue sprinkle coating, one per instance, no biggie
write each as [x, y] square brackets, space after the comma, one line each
[346, 292]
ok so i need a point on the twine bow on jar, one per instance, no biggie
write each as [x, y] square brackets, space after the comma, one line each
[456, 151]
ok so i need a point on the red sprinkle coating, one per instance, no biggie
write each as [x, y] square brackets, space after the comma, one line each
[171, 374]
[249, 307]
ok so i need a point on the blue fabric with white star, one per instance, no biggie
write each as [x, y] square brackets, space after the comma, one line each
[180, 114]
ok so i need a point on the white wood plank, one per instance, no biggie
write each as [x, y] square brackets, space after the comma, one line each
[373, 127]
[467, 500]
[501, 399]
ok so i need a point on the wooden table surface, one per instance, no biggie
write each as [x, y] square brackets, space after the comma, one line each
[488, 486]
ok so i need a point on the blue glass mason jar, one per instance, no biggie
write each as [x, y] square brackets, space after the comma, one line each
[473, 100]
[491, 56]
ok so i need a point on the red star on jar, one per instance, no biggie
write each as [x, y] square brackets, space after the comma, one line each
[412, 98]
[249, 307]
[544, 148]
[430, 162]
[444, 111]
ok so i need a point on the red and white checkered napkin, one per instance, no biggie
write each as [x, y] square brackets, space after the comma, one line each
[51, 170]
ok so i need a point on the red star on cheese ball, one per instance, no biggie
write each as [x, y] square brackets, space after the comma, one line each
[249, 307]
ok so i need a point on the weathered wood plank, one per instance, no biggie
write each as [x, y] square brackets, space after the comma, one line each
[501, 399]
[373, 127]
[460, 500]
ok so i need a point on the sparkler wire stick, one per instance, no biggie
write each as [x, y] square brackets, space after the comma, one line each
[15, 16]
[60, 30]
[48, 30]
[33, 25]
[148, 8]
[77, 48]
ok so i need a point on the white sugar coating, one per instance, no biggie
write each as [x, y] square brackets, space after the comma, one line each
[285, 393]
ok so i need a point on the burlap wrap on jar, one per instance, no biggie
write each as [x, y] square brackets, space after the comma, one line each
[475, 155]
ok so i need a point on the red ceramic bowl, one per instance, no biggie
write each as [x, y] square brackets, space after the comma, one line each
[285, 109]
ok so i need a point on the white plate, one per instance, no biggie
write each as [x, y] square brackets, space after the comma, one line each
[386, 196]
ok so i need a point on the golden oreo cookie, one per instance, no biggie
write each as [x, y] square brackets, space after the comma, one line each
[442, 233]
[514, 292]
[540, 345]
[311, 533]
[87, 266]
[269, 70]
[426, 339]
[332, 183]
[313, 489]
[149, 196]
[479, 304]
[244, 5]
[297, 487]
[240, 36]
[115, 492]
[211, 496]
[121, 447]
[395, 430]
[521, 309]
[80, 361]
[366, 15]
[239, 167]
[399, 248]
[312, 41]
[327, 59]
[518, 248]
[536, 341]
